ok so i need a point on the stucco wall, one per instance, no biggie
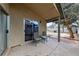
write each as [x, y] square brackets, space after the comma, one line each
[17, 14]
[42, 27]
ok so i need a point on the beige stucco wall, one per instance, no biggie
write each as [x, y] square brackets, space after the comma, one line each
[42, 27]
[17, 14]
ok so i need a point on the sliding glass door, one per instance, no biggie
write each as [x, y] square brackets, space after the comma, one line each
[0, 35]
[3, 34]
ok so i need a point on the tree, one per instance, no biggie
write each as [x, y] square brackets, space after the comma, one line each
[67, 24]
[70, 12]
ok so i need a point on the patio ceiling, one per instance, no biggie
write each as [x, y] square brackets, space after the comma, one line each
[45, 10]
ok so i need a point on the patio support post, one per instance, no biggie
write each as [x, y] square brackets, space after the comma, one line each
[59, 29]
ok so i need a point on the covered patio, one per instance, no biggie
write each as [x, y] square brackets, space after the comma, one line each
[54, 45]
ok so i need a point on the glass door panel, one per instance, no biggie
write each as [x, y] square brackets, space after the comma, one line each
[3, 34]
[1, 47]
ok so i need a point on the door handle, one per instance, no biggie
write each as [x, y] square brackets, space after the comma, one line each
[7, 31]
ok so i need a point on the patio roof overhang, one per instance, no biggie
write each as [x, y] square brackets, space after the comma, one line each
[44, 10]
[47, 11]
[59, 8]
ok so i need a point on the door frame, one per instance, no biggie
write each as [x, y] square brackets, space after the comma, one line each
[30, 20]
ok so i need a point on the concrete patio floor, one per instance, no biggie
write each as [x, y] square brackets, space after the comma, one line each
[52, 47]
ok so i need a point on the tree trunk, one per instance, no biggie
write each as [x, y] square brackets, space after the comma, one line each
[70, 31]
[67, 23]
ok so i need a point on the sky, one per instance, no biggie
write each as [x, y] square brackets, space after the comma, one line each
[48, 24]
